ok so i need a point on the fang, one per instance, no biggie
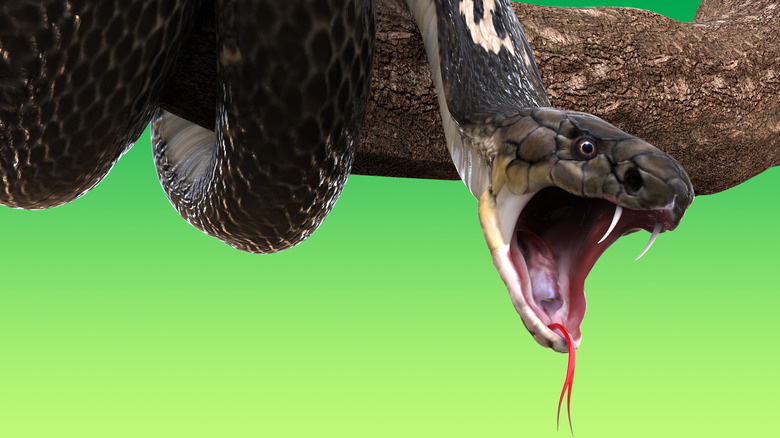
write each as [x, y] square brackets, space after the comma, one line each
[656, 232]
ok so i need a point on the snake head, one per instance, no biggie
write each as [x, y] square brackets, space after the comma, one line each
[563, 187]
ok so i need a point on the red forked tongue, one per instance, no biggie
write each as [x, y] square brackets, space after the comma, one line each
[569, 375]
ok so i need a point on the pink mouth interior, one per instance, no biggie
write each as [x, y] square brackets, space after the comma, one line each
[555, 246]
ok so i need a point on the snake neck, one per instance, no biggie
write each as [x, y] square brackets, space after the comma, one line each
[488, 74]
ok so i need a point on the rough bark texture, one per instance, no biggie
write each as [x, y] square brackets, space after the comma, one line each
[706, 92]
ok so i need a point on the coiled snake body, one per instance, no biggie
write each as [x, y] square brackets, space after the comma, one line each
[79, 81]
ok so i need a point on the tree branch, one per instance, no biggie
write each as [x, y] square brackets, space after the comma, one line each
[705, 92]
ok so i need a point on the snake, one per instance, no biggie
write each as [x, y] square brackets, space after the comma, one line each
[80, 81]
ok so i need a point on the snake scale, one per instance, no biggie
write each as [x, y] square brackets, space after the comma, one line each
[79, 82]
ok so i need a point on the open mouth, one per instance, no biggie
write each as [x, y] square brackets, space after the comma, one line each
[557, 239]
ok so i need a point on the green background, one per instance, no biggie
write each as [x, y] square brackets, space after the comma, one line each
[117, 319]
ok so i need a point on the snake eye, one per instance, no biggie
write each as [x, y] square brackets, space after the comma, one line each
[585, 147]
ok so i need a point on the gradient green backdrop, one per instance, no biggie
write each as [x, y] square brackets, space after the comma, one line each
[117, 319]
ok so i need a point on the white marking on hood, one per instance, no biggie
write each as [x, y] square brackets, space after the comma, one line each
[484, 33]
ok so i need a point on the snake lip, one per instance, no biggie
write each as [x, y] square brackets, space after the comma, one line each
[555, 244]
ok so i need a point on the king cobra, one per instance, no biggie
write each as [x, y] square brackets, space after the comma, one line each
[80, 80]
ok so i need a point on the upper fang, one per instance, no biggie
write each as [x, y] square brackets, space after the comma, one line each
[656, 232]
[615, 219]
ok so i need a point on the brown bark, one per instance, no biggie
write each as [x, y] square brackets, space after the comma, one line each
[706, 92]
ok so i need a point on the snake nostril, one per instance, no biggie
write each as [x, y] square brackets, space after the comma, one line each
[632, 181]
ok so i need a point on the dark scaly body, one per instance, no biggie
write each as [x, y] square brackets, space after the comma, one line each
[80, 82]
[294, 82]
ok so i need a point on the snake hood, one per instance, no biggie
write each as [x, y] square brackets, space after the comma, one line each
[556, 188]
